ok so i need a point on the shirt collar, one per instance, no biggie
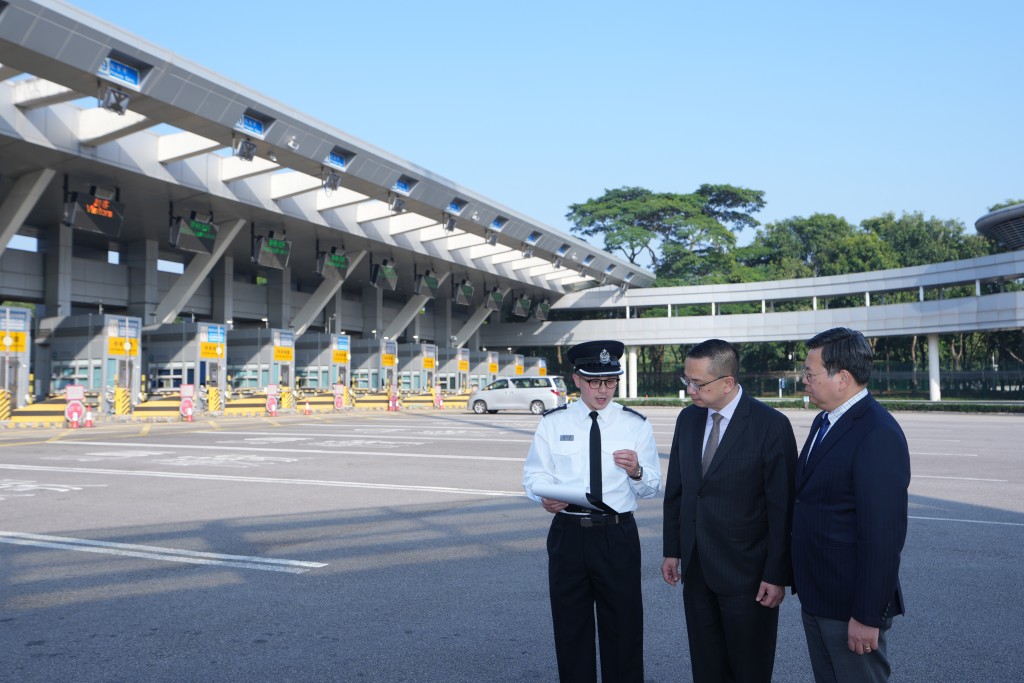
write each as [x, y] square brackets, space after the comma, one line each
[730, 408]
[834, 416]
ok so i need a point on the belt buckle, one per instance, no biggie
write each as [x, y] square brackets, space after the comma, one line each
[586, 522]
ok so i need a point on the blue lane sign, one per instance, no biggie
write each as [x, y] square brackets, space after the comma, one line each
[216, 334]
[251, 124]
[336, 159]
[114, 70]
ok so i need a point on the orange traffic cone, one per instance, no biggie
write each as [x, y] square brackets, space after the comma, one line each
[88, 416]
[307, 407]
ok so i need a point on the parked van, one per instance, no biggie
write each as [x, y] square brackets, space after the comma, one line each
[535, 394]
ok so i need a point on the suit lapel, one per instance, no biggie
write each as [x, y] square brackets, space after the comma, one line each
[700, 421]
[733, 434]
[833, 437]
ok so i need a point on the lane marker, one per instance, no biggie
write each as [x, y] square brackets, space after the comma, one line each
[932, 476]
[958, 455]
[376, 434]
[238, 447]
[268, 480]
[965, 521]
[156, 553]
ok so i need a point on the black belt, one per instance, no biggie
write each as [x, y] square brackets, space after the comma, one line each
[593, 518]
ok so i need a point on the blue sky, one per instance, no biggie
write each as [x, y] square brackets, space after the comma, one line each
[847, 108]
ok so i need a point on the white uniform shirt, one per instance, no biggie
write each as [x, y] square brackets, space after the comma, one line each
[560, 453]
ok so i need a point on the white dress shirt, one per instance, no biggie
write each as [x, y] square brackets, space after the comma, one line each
[560, 453]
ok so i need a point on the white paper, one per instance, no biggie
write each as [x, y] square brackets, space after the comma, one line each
[567, 494]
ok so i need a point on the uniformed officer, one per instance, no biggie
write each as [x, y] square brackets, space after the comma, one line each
[602, 456]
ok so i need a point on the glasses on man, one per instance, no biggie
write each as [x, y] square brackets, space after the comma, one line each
[697, 386]
[809, 374]
[610, 383]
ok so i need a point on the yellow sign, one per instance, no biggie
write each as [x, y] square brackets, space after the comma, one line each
[211, 350]
[519, 369]
[492, 368]
[284, 353]
[12, 342]
[543, 372]
[387, 360]
[116, 346]
[339, 356]
[428, 363]
[463, 366]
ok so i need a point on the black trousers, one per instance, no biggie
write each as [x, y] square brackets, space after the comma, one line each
[596, 567]
[732, 637]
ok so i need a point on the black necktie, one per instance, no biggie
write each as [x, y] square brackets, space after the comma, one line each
[595, 459]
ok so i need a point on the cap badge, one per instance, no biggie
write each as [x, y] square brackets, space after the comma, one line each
[605, 357]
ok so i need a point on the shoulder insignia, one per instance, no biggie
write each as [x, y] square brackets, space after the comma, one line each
[553, 410]
[637, 413]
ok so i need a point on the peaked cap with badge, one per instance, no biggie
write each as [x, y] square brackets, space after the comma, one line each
[597, 358]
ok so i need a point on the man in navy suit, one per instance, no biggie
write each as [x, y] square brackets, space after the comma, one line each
[728, 505]
[850, 514]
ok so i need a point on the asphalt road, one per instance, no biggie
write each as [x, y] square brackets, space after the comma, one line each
[399, 547]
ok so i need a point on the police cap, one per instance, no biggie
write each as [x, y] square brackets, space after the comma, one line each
[597, 358]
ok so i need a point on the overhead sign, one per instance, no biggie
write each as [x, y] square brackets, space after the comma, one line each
[492, 362]
[520, 363]
[542, 367]
[463, 360]
[272, 252]
[125, 74]
[94, 214]
[332, 265]
[189, 234]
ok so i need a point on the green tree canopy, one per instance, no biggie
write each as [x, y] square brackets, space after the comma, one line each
[670, 231]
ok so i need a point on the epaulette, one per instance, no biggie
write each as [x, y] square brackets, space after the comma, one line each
[638, 414]
[552, 410]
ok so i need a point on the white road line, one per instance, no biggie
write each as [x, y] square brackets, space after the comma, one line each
[383, 436]
[958, 455]
[291, 449]
[266, 480]
[155, 553]
[966, 521]
[930, 476]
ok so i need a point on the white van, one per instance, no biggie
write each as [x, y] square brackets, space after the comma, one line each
[533, 393]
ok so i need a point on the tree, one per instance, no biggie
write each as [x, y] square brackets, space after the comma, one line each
[670, 231]
[916, 241]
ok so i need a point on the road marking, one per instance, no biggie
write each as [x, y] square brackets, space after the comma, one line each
[362, 434]
[268, 480]
[931, 476]
[299, 450]
[958, 455]
[965, 521]
[154, 553]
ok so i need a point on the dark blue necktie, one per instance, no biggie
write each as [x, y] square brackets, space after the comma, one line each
[821, 434]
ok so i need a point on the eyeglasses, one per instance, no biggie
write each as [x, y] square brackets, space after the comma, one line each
[697, 386]
[808, 375]
[598, 383]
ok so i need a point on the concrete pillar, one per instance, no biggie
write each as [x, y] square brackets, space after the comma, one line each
[920, 293]
[814, 303]
[867, 298]
[443, 329]
[58, 270]
[143, 292]
[934, 389]
[373, 312]
[763, 307]
[633, 388]
[977, 288]
[224, 290]
[279, 297]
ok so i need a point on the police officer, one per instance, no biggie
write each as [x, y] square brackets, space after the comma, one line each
[601, 456]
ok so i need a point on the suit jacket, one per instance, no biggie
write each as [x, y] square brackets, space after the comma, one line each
[738, 514]
[850, 517]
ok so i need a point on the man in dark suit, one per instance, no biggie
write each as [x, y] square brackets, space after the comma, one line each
[850, 515]
[728, 504]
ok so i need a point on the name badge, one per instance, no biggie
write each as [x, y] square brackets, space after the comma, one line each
[566, 437]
